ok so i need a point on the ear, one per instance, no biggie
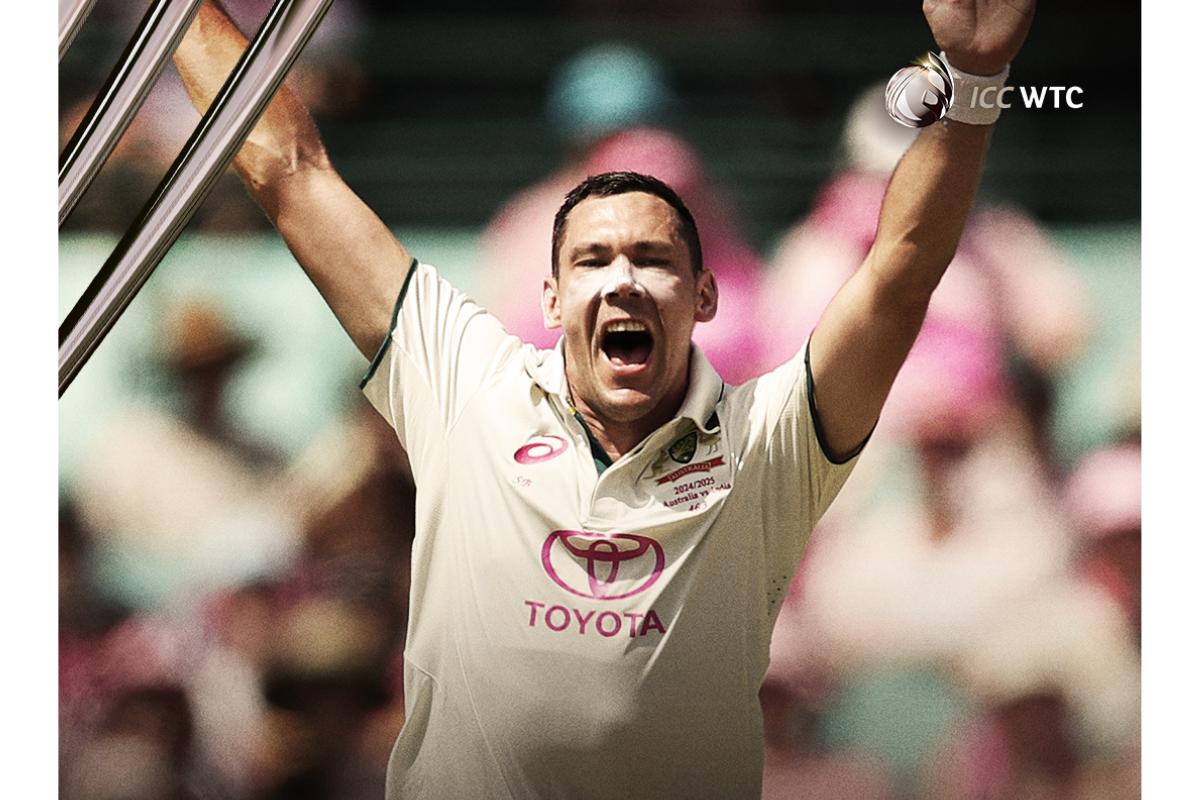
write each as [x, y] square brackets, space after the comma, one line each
[706, 296]
[551, 311]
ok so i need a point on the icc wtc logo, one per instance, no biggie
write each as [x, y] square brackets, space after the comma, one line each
[920, 94]
[606, 558]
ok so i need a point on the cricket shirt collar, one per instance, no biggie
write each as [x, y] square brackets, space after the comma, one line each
[705, 387]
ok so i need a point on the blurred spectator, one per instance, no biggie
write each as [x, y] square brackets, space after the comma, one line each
[605, 89]
[292, 687]
[140, 741]
[141, 751]
[1104, 500]
[969, 573]
[330, 669]
[85, 618]
[1056, 677]
[796, 763]
[327, 669]
[953, 533]
[353, 493]
[185, 503]
[598, 100]
[226, 684]
[970, 569]
[916, 577]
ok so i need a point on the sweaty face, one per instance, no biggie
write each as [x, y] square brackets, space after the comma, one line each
[627, 300]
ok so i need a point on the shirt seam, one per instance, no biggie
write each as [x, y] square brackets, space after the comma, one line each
[477, 390]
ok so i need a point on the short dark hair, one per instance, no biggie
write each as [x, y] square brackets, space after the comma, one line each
[607, 184]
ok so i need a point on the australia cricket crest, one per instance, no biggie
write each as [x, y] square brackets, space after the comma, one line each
[690, 473]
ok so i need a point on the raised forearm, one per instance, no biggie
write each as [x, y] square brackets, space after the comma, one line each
[349, 254]
[925, 209]
[867, 330]
[285, 140]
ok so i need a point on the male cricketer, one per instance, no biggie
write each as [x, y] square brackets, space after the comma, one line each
[606, 529]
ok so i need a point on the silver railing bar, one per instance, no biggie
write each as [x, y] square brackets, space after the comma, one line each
[123, 94]
[71, 14]
[214, 143]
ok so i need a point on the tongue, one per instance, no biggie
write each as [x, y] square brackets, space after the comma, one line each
[626, 350]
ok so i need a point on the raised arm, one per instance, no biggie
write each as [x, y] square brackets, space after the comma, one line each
[349, 254]
[866, 332]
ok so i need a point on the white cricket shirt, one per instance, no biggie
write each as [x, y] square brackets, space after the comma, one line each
[577, 634]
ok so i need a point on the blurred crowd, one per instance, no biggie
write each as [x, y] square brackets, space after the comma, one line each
[965, 624]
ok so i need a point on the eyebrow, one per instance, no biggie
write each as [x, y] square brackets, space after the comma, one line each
[591, 248]
[656, 245]
[643, 246]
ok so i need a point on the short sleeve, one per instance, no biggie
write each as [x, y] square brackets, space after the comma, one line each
[801, 479]
[440, 349]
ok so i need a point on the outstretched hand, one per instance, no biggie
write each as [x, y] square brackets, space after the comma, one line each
[979, 36]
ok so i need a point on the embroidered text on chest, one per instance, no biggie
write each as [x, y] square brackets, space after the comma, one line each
[689, 471]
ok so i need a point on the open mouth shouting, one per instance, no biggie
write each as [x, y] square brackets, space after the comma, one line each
[627, 345]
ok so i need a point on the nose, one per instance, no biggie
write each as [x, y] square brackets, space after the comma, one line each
[622, 282]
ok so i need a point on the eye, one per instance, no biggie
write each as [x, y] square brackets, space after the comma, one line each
[591, 262]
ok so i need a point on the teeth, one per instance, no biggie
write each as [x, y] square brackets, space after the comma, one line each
[627, 326]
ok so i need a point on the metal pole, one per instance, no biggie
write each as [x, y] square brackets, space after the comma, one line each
[71, 14]
[213, 144]
[123, 94]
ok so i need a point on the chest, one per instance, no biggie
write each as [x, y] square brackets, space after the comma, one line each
[538, 558]
[539, 458]
[525, 481]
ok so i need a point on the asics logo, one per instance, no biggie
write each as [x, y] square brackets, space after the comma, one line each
[540, 448]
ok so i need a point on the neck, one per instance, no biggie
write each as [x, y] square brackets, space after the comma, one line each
[618, 436]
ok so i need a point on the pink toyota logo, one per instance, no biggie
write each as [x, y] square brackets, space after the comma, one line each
[606, 558]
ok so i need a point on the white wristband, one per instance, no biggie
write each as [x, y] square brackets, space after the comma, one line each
[967, 106]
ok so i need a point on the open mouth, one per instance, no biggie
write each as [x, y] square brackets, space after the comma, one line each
[627, 343]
